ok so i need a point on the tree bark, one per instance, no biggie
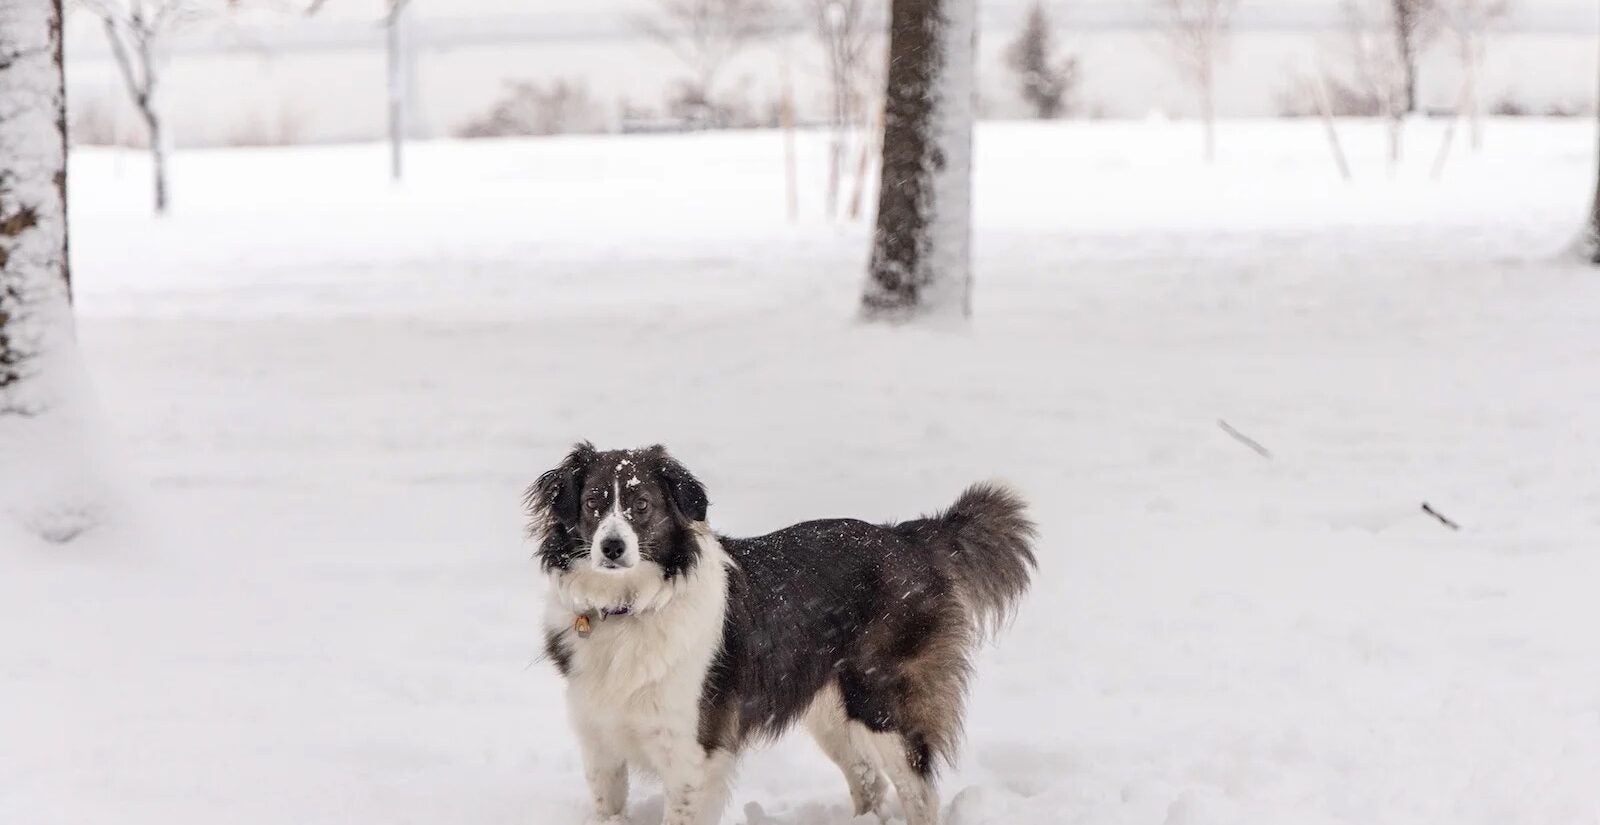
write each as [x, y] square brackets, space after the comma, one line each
[921, 248]
[158, 158]
[1406, 22]
[35, 284]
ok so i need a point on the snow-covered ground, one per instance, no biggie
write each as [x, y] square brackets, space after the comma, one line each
[327, 394]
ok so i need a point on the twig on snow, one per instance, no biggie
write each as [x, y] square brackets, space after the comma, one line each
[1443, 519]
[1244, 439]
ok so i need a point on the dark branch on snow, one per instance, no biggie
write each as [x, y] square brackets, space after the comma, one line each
[1427, 508]
[1244, 439]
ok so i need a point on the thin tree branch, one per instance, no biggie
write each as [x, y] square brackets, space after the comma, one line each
[119, 50]
[1244, 439]
[1426, 508]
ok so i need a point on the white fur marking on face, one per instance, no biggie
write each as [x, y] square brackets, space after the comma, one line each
[615, 525]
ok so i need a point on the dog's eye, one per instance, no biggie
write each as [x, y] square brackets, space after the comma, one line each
[641, 505]
[593, 502]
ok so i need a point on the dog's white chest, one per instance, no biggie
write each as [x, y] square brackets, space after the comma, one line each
[635, 682]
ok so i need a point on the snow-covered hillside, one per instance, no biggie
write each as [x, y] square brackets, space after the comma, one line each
[328, 394]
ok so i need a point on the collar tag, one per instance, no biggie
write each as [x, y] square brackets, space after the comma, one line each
[583, 625]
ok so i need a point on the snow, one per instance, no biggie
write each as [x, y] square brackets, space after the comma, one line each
[328, 395]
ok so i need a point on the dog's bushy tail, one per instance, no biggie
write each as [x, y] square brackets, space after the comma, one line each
[987, 538]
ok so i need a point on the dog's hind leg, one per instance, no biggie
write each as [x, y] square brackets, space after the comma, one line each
[827, 723]
[906, 762]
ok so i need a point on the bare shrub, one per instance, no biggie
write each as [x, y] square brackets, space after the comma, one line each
[528, 108]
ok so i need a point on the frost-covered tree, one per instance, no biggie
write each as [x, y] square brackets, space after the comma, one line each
[1197, 33]
[137, 31]
[921, 248]
[34, 281]
[36, 339]
[1045, 81]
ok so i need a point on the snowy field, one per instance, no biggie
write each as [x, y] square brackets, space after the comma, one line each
[326, 394]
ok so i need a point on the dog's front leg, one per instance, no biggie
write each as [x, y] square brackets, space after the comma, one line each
[696, 782]
[607, 774]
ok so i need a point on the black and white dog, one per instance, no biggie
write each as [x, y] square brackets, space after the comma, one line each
[680, 647]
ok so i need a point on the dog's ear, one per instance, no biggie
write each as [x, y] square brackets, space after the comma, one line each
[553, 499]
[687, 494]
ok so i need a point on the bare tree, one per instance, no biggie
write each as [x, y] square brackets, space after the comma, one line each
[1469, 22]
[706, 35]
[394, 26]
[845, 30]
[136, 30]
[1197, 33]
[921, 247]
[36, 340]
[1046, 82]
[397, 52]
[1378, 66]
[1412, 23]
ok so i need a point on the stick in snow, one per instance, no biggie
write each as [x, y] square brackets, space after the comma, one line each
[1244, 439]
[1426, 508]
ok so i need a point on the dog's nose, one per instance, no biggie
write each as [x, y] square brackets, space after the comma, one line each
[613, 548]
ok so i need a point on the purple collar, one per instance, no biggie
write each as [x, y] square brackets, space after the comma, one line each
[583, 623]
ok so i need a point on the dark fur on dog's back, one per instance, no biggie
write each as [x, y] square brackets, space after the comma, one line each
[887, 613]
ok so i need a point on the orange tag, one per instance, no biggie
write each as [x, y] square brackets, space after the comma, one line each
[581, 624]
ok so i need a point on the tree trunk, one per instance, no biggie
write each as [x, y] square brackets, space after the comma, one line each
[34, 281]
[46, 483]
[921, 247]
[397, 90]
[158, 158]
[835, 168]
[1325, 111]
[1405, 24]
[1590, 246]
[152, 120]
[791, 174]
[1593, 231]
[1473, 65]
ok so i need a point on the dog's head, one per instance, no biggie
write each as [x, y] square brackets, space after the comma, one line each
[619, 513]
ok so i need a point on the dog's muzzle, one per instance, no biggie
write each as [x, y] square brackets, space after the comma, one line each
[613, 548]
